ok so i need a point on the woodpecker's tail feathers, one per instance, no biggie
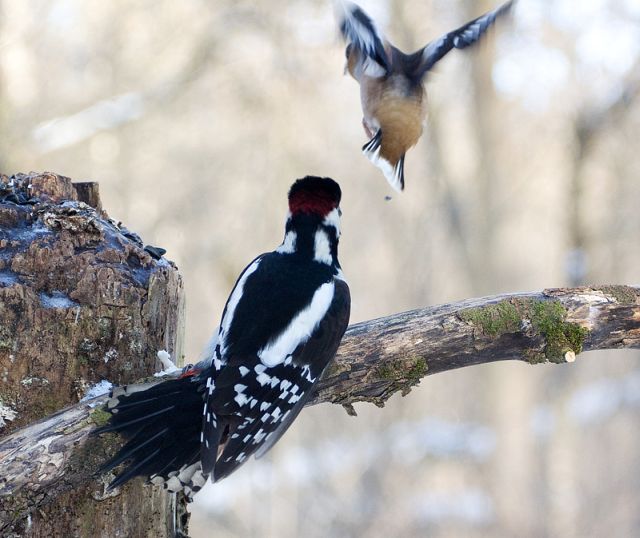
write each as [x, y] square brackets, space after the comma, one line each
[162, 424]
[393, 172]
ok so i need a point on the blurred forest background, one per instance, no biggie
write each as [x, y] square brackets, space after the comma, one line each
[196, 116]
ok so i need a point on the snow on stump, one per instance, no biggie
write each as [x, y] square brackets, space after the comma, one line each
[82, 300]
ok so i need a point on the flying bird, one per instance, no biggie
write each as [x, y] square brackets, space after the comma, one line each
[280, 328]
[391, 82]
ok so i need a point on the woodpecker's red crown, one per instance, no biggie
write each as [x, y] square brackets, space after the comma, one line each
[315, 195]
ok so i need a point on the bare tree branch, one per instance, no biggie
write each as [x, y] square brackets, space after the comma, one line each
[376, 359]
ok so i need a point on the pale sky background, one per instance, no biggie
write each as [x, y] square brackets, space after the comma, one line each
[196, 116]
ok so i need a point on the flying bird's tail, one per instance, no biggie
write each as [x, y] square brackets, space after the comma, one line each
[393, 171]
[162, 424]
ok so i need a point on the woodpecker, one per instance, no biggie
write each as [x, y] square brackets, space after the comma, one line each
[280, 328]
[391, 83]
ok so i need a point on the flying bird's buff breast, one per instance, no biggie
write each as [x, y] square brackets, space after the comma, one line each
[396, 107]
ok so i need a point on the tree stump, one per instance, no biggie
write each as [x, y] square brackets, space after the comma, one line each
[81, 300]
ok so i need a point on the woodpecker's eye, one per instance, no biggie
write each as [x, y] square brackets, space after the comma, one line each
[339, 212]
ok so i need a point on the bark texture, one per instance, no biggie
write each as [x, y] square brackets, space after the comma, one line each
[81, 300]
[380, 357]
[376, 359]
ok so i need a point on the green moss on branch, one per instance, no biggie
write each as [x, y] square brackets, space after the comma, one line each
[546, 317]
[99, 416]
[494, 319]
[411, 369]
[549, 319]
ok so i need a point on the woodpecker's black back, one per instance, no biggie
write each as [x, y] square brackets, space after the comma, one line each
[280, 328]
[272, 296]
[269, 398]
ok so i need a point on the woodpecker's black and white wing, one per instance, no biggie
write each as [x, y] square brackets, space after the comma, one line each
[279, 392]
[360, 32]
[278, 334]
[213, 423]
[461, 38]
[317, 354]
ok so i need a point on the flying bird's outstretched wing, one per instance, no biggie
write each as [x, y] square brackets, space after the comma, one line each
[360, 32]
[461, 38]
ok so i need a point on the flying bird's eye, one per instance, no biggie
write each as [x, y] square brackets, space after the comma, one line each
[347, 51]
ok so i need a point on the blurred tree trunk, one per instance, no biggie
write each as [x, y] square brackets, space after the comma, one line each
[484, 115]
[80, 301]
[513, 391]
[590, 123]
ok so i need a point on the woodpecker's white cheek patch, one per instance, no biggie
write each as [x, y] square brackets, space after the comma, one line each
[300, 328]
[322, 248]
[333, 219]
[289, 244]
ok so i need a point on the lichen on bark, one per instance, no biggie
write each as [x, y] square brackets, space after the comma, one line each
[623, 294]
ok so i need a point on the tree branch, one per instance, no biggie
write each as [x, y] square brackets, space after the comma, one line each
[376, 359]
